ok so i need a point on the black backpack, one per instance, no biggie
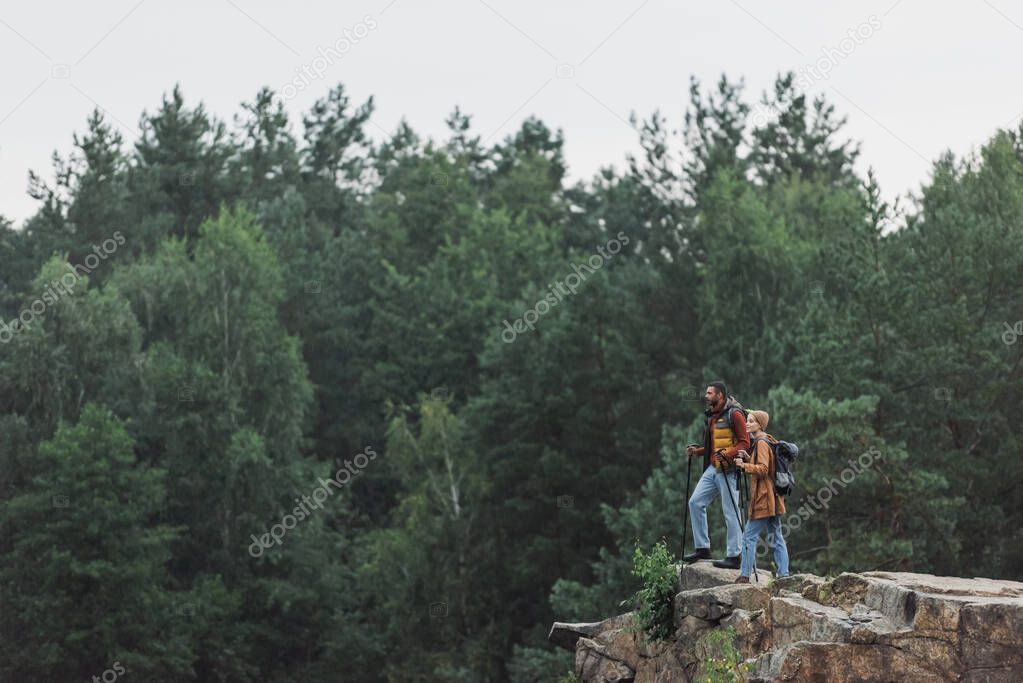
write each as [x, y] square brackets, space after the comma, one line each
[785, 454]
[731, 405]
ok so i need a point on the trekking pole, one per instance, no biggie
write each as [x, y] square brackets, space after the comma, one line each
[734, 507]
[744, 487]
[743, 493]
[738, 516]
[685, 505]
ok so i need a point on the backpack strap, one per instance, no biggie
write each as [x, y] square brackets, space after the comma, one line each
[754, 447]
[730, 407]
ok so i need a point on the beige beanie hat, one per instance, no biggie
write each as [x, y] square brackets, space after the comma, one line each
[762, 417]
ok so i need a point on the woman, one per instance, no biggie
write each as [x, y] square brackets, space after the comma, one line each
[765, 506]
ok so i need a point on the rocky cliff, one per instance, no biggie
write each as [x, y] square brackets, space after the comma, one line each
[873, 626]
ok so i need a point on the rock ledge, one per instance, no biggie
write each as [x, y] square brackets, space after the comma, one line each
[871, 626]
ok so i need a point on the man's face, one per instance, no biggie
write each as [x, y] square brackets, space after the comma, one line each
[712, 396]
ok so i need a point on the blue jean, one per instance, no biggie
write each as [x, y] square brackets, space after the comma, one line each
[711, 485]
[775, 540]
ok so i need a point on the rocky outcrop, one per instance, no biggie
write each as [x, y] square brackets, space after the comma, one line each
[872, 626]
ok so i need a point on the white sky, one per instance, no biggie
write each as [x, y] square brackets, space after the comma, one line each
[931, 76]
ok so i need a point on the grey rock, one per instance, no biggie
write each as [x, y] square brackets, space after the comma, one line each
[718, 601]
[703, 574]
[593, 663]
[566, 635]
[870, 626]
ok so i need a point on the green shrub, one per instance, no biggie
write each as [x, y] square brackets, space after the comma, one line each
[727, 665]
[656, 599]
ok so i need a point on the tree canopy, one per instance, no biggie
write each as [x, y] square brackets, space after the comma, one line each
[204, 331]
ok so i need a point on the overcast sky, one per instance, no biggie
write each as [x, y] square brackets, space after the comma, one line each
[914, 78]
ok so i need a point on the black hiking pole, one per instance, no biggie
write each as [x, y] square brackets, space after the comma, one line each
[738, 516]
[745, 494]
[685, 505]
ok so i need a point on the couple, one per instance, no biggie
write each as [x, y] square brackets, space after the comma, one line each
[726, 450]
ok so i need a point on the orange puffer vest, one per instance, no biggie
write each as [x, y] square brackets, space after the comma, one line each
[720, 435]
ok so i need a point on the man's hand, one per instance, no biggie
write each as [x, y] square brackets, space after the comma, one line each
[691, 450]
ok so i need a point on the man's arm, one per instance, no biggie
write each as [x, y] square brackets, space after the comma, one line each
[741, 433]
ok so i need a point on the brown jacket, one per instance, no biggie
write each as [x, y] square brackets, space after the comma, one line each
[764, 502]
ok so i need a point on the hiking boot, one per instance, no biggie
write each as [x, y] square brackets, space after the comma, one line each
[742, 579]
[700, 554]
[728, 562]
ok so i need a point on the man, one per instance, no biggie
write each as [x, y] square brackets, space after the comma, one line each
[724, 436]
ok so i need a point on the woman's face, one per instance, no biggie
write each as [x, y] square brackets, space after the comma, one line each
[752, 424]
